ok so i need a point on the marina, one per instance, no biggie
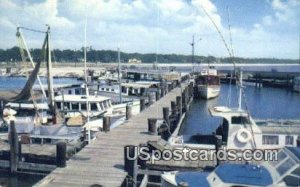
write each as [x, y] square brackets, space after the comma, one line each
[125, 104]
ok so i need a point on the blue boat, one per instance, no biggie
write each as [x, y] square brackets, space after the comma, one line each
[283, 171]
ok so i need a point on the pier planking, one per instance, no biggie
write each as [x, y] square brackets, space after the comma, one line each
[102, 161]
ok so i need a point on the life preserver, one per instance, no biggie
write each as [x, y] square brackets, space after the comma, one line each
[243, 135]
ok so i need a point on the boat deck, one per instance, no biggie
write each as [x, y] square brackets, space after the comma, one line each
[102, 161]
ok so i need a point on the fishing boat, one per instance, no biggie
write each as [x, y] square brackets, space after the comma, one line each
[207, 83]
[238, 130]
[285, 171]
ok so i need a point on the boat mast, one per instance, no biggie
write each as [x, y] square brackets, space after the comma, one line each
[193, 53]
[23, 45]
[49, 72]
[119, 77]
[86, 83]
[240, 90]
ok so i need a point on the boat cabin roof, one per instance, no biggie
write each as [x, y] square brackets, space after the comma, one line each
[225, 112]
[246, 174]
[80, 98]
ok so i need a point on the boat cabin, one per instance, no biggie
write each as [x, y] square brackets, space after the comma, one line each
[283, 171]
[96, 104]
[239, 131]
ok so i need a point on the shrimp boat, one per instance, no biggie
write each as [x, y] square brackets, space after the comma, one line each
[238, 130]
[285, 171]
[208, 83]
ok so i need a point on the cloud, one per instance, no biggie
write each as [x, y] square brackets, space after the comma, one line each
[163, 26]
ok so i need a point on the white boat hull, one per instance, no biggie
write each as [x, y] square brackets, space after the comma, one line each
[209, 91]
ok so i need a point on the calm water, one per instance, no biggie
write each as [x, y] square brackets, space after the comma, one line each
[262, 103]
[20, 180]
[13, 83]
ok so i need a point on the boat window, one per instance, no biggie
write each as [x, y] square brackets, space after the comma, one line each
[270, 140]
[75, 106]
[240, 120]
[112, 90]
[83, 106]
[58, 105]
[77, 91]
[102, 89]
[292, 180]
[281, 155]
[94, 106]
[101, 106]
[66, 106]
[285, 166]
[105, 104]
[289, 140]
[123, 89]
[107, 89]
[70, 92]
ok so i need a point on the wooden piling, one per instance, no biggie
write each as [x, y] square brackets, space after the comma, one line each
[150, 101]
[218, 144]
[20, 150]
[61, 149]
[166, 115]
[142, 105]
[14, 148]
[106, 123]
[157, 95]
[179, 105]
[173, 108]
[128, 111]
[152, 126]
[130, 163]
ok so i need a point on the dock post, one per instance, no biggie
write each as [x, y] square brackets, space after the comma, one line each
[142, 105]
[20, 150]
[179, 105]
[157, 95]
[128, 111]
[218, 144]
[162, 92]
[173, 108]
[298, 141]
[130, 163]
[13, 148]
[106, 124]
[166, 115]
[150, 102]
[184, 101]
[61, 149]
[152, 126]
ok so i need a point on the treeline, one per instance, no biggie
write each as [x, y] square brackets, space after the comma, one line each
[107, 56]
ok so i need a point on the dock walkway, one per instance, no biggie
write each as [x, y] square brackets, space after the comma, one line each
[102, 161]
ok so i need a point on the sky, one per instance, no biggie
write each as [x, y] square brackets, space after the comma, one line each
[258, 28]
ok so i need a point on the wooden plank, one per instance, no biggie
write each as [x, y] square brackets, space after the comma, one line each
[102, 161]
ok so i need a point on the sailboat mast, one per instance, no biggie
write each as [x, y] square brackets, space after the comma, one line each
[240, 90]
[119, 77]
[86, 83]
[49, 72]
[193, 52]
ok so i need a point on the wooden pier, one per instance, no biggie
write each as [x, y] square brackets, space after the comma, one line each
[101, 163]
